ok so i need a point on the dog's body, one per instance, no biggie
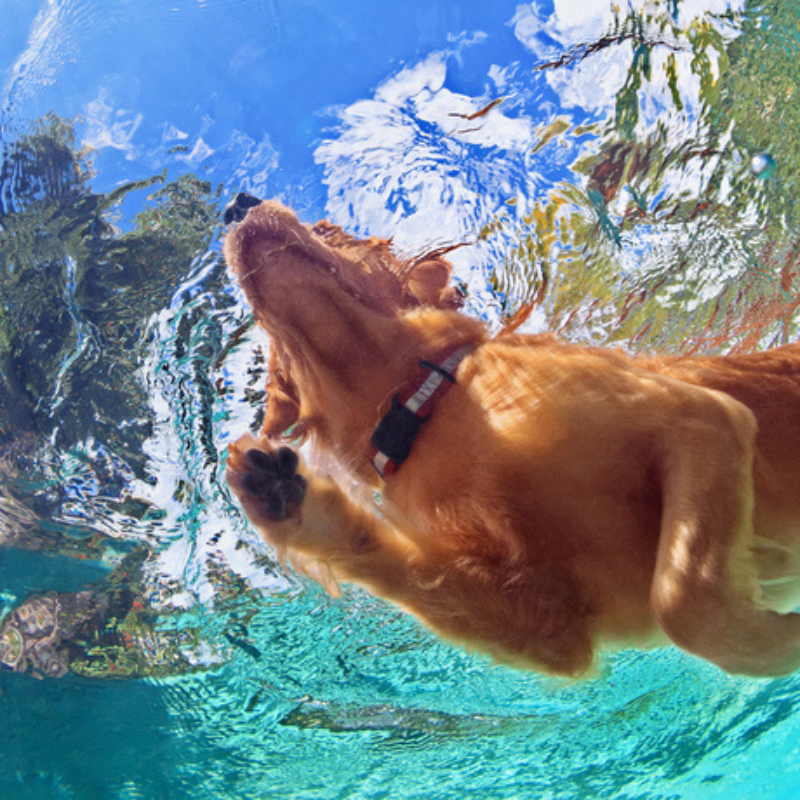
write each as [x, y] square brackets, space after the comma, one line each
[560, 499]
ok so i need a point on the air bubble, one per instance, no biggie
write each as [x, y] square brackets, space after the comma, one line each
[762, 165]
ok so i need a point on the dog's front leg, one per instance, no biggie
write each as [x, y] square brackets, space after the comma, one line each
[534, 619]
[704, 591]
[311, 522]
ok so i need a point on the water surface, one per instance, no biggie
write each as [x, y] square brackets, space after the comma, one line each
[621, 177]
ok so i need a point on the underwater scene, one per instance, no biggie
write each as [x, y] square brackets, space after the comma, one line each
[617, 174]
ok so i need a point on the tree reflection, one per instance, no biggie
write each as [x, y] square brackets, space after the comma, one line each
[680, 229]
[77, 294]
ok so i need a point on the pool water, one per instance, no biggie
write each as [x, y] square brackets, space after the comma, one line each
[622, 177]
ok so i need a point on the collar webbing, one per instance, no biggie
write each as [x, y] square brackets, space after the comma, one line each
[410, 408]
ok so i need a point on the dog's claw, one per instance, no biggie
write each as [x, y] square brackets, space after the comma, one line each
[272, 479]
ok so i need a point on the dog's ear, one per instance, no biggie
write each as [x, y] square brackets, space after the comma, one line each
[283, 399]
[282, 412]
[428, 281]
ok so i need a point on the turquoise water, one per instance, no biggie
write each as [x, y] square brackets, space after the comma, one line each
[623, 178]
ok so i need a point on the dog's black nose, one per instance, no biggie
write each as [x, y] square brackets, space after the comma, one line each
[237, 210]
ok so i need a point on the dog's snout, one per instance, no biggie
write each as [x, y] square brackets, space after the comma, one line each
[237, 210]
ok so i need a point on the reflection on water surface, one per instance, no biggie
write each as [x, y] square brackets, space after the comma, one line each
[623, 177]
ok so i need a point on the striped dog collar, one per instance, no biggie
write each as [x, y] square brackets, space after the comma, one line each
[410, 409]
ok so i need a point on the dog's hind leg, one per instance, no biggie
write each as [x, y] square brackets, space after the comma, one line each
[704, 591]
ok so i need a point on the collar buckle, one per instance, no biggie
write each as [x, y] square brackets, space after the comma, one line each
[394, 437]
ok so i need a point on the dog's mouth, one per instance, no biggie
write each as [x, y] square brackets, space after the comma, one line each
[266, 245]
[263, 235]
[270, 226]
[269, 249]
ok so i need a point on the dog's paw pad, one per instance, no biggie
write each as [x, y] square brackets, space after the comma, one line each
[272, 480]
[260, 461]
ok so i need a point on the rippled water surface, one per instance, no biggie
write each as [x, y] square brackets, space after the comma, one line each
[621, 176]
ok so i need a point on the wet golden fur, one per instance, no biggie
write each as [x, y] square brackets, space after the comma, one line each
[561, 500]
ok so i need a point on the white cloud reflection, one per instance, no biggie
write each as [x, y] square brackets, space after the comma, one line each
[593, 82]
[47, 49]
[571, 22]
[409, 163]
[105, 127]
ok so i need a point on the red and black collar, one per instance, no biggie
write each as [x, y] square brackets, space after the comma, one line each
[411, 408]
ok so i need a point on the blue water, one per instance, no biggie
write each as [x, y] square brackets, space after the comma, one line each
[189, 663]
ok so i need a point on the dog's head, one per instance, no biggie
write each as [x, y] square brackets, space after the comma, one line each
[315, 288]
[266, 238]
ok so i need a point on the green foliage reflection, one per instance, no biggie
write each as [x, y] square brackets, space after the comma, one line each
[77, 298]
[77, 293]
[679, 230]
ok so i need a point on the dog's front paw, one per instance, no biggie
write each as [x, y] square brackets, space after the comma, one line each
[273, 483]
[266, 481]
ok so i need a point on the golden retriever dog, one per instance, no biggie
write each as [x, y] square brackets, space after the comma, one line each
[538, 501]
